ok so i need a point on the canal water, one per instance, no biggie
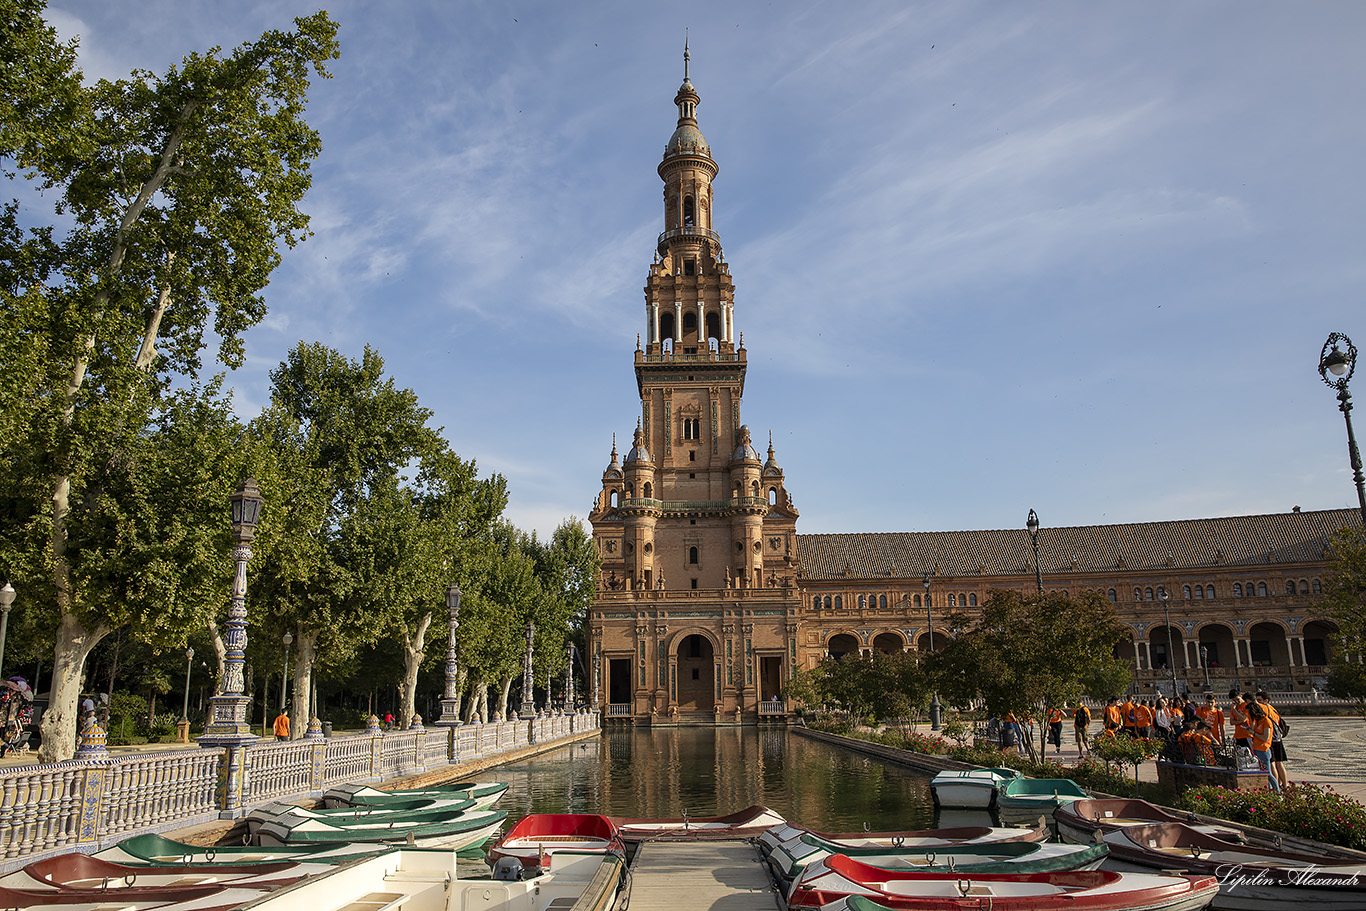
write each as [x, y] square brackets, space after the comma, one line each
[705, 771]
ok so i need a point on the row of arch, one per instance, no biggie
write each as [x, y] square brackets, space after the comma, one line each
[1200, 592]
[879, 602]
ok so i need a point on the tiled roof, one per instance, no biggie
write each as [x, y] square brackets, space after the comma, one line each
[1290, 537]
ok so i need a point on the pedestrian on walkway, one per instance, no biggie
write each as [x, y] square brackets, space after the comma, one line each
[1213, 716]
[1114, 716]
[1237, 712]
[1081, 722]
[1278, 729]
[282, 725]
[1143, 720]
[1055, 728]
[1259, 731]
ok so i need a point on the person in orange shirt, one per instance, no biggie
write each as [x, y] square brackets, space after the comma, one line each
[1114, 716]
[1259, 733]
[1277, 744]
[1213, 716]
[1237, 711]
[1055, 728]
[1143, 720]
[1128, 709]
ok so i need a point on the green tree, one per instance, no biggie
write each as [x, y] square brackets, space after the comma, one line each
[1028, 654]
[1344, 598]
[345, 535]
[171, 196]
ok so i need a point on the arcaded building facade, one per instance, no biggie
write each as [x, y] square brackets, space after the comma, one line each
[708, 598]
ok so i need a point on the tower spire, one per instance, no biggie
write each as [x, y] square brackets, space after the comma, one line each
[685, 55]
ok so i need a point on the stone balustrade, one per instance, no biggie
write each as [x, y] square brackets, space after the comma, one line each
[93, 801]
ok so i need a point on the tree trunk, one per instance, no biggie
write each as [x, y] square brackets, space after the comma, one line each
[59, 725]
[412, 661]
[504, 687]
[113, 666]
[307, 644]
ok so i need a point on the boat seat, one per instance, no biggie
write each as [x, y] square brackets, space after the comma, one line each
[376, 901]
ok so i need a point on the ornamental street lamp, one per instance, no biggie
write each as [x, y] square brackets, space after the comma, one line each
[570, 653]
[1032, 523]
[287, 639]
[6, 602]
[185, 708]
[935, 708]
[1171, 653]
[228, 726]
[1342, 366]
[1204, 662]
[450, 699]
[528, 694]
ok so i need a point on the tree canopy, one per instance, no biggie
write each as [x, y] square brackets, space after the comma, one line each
[1344, 596]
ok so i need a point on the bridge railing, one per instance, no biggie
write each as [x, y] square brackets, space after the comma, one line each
[89, 803]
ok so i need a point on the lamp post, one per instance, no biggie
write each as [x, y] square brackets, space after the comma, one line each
[1204, 662]
[287, 640]
[6, 602]
[185, 708]
[1171, 653]
[935, 707]
[1032, 523]
[1342, 366]
[450, 699]
[528, 695]
[228, 726]
[570, 652]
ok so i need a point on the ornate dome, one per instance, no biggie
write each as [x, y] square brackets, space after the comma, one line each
[638, 452]
[687, 139]
[744, 450]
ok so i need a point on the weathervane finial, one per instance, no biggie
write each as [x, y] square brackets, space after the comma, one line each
[685, 55]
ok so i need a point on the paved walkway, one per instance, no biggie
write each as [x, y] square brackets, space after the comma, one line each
[1327, 750]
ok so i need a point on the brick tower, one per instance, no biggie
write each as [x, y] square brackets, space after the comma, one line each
[695, 530]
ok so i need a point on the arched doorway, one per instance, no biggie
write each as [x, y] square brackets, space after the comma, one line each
[1316, 636]
[1268, 645]
[695, 690]
[888, 643]
[841, 645]
[1216, 650]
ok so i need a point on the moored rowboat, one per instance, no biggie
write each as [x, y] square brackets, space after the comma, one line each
[538, 836]
[157, 849]
[1079, 820]
[923, 838]
[831, 880]
[973, 789]
[454, 830]
[746, 823]
[356, 794]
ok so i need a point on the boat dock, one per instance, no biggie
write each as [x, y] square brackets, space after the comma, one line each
[700, 876]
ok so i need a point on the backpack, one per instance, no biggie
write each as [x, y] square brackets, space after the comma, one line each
[1082, 717]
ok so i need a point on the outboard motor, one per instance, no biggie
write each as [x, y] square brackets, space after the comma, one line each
[508, 869]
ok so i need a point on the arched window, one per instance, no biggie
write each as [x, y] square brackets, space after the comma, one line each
[773, 496]
[1304, 587]
[1290, 586]
[839, 602]
[647, 490]
[1186, 592]
[1209, 592]
[1147, 594]
[689, 324]
[689, 213]
[1138, 594]
[1199, 592]
[953, 599]
[816, 603]
[666, 326]
[1237, 589]
[754, 489]
[827, 602]
[692, 556]
[1113, 596]
[862, 601]
[917, 600]
[972, 599]
[613, 498]
[1318, 587]
[882, 602]
[1261, 589]
[713, 325]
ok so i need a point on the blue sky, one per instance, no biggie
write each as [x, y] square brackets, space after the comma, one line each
[1076, 257]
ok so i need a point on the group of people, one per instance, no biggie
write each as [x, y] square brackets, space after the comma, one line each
[1192, 731]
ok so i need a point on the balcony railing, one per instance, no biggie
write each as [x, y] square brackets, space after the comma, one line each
[702, 357]
[688, 231]
[770, 707]
[691, 505]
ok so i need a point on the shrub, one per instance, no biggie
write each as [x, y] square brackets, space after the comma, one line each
[1307, 810]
